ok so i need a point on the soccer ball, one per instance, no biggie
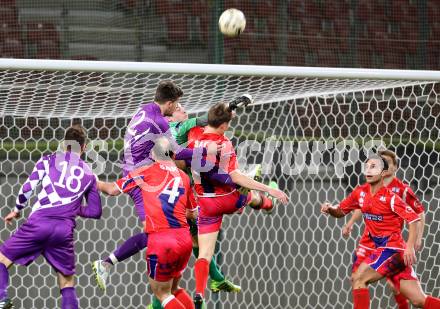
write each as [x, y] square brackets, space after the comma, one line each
[232, 22]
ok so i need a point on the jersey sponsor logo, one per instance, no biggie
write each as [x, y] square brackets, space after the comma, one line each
[373, 217]
[383, 198]
[395, 189]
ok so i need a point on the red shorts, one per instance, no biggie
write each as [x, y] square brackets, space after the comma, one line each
[212, 210]
[359, 256]
[390, 264]
[168, 253]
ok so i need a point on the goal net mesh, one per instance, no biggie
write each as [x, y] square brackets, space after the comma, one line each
[294, 258]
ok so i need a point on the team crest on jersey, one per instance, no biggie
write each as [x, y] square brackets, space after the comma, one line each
[383, 198]
[395, 189]
[361, 199]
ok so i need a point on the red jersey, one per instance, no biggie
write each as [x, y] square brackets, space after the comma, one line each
[165, 192]
[382, 212]
[405, 192]
[225, 162]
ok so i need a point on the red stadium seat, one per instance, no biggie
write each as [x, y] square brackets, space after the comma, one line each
[336, 10]
[8, 17]
[409, 33]
[203, 23]
[177, 28]
[8, 3]
[327, 58]
[38, 31]
[47, 49]
[246, 6]
[296, 51]
[9, 33]
[435, 30]
[341, 29]
[393, 59]
[162, 7]
[265, 9]
[229, 55]
[200, 8]
[296, 9]
[84, 57]
[11, 49]
[433, 59]
[311, 26]
[364, 10]
[403, 10]
[433, 11]
[129, 4]
[296, 58]
[365, 54]
[312, 9]
[260, 56]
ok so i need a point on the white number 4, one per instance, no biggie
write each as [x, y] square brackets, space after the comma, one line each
[174, 192]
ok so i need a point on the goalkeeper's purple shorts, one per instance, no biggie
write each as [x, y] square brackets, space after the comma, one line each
[52, 238]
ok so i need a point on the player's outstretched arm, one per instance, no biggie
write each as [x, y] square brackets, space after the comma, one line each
[240, 179]
[109, 188]
[331, 210]
[348, 227]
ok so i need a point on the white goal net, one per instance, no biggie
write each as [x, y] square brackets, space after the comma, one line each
[310, 127]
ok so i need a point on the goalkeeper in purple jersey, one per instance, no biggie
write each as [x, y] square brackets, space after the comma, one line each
[147, 125]
[64, 179]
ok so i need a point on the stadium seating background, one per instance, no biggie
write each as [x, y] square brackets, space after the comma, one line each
[343, 33]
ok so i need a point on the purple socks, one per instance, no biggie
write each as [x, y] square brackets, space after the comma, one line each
[69, 299]
[129, 248]
[4, 281]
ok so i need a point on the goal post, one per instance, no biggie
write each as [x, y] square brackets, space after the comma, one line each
[310, 127]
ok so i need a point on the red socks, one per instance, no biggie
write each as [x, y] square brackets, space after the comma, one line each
[432, 303]
[361, 299]
[172, 303]
[184, 298]
[401, 301]
[201, 269]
